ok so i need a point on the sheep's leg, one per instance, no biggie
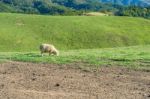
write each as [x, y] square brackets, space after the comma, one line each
[41, 53]
[49, 53]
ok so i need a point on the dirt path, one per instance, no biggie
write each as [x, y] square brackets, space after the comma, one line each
[47, 81]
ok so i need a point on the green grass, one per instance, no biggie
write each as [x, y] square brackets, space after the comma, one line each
[137, 57]
[20, 32]
[79, 38]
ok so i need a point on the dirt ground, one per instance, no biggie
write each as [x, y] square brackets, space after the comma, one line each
[48, 81]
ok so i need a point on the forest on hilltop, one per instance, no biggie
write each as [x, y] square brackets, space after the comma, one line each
[71, 7]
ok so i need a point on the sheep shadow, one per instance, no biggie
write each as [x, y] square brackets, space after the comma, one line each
[36, 55]
[33, 55]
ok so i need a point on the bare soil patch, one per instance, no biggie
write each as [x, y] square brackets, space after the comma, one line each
[50, 81]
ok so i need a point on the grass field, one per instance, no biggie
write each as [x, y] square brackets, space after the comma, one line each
[137, 57]
[20, 32]
[82, 39]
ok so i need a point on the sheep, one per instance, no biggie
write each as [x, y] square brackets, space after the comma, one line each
[48, 48]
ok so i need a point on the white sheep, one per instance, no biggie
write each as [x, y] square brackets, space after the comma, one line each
[48, 48]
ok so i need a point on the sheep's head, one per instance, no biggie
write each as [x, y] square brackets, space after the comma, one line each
[56, 52]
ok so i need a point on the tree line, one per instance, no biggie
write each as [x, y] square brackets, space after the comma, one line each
[70, 7]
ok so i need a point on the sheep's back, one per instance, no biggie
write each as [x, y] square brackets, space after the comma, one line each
[46, 47]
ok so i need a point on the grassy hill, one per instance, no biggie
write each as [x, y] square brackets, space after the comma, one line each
[20, 32]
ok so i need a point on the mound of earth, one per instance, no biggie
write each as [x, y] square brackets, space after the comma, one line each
[50, 81]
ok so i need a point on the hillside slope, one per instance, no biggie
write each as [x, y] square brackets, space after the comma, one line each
[19, 32]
